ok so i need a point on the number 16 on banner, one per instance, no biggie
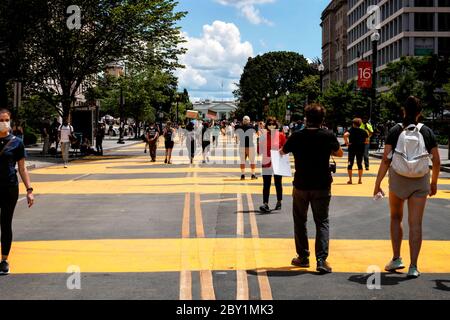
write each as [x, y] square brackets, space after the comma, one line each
[365, 74]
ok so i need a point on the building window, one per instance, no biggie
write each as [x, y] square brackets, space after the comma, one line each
[444, 46]
[444, 21]
[444, 3]
[424, 21]
[424, 3]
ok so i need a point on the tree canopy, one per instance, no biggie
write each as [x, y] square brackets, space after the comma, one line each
[269, 73]
[62, 58]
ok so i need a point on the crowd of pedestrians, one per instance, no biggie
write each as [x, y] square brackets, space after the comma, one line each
[409, 146]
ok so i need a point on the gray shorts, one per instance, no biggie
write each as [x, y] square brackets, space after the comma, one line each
[405, 188]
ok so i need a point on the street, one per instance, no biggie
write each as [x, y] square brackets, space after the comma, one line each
[142, 230]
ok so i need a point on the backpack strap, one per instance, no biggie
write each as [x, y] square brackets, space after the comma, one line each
[419, 126]
[7, 145]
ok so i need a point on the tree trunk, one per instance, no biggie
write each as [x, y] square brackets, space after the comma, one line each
[3, 94]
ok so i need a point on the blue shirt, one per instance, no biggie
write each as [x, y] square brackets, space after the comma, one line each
[13, 153]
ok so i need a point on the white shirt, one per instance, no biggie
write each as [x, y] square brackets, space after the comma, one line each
[65, 131]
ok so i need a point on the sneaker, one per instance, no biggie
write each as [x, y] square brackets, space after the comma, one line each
[413, 272]
[254, 177]
[278, 206]
[264, 208]
[367, 168]
[300, 262]
[204, 161]
[4, 267]
[394, 265]
[243, 177]
[165, 161]
[323, 267]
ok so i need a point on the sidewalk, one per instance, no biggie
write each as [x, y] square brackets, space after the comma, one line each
[35, 160]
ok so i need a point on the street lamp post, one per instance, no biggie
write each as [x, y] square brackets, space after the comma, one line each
[121, 128]
[374, 38]
[176, 116]
[321, 69]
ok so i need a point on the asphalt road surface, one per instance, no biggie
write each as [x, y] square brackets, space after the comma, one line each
[141, 230]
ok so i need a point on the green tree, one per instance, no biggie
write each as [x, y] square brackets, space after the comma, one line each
[266, 74]
[343, 103]
[142, 32]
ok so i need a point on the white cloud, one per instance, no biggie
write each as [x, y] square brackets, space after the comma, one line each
[248, 9]
[217, 56]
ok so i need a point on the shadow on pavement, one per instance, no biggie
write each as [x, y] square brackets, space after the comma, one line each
[284, 272]
[440, 285]
[387, 279]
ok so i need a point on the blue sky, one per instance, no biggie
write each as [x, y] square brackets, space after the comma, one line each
[222, 34]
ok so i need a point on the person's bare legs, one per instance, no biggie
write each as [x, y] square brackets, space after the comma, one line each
[360, 173]
[350, 176]
[416, 207]
[396, 206]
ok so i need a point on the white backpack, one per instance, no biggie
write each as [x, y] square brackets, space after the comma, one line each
[411, 158]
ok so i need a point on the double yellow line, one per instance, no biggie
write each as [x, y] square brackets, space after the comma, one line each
[206, 279]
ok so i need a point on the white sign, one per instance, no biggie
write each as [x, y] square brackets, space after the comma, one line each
[281, 164]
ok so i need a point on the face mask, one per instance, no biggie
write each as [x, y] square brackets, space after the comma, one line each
[5, 126]
[271, 127]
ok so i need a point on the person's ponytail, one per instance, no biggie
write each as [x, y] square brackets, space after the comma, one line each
[411, 109]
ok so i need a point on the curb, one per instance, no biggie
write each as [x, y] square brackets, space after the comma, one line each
[33, 166]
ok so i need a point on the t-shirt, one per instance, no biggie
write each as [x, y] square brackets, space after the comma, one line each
[246, 135]
[428, 137]
[151, 132]
[168, 134]
[369, 129]
[66, 131]
[13, 153]
[357, 139]
[312, 149]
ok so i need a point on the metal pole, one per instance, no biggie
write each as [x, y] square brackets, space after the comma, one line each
[177, 110]
[374, 77]
[121, 128]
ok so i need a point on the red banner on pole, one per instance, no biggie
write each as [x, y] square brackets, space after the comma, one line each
[365, 74]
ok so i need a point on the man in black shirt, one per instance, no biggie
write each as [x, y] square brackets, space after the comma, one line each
[355, 140]
[152, 135]
[246, 134]
[312, 148]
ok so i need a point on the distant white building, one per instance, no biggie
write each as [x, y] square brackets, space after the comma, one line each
[224, 109]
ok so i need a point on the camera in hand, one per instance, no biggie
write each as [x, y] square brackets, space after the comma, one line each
[333, 167]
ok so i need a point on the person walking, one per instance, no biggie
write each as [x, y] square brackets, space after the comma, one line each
[169, 134]
[12, 152]
[206, 141]
[99, 137]
[65, 133]
[355, 139]
[152, 137]
[408, 146]
[271, 140]
[190, 141]
[54, 135]
[366, 126]
[312, 148]
[45, 133]
[246, 136]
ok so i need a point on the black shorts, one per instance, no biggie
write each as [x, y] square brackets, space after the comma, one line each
[359, 154]
[205, 144]
[169, 144]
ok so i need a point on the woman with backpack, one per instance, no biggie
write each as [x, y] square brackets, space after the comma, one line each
[406, 156]
[168, 134]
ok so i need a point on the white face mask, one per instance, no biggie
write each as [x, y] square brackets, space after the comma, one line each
[271, 127]
[5, 126]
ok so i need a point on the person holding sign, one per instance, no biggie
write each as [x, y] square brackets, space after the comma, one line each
[270, 141]
[312, 148]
